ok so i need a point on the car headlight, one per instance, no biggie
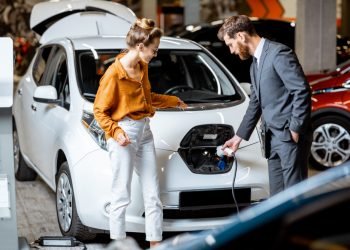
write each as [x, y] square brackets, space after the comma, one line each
[94, 129]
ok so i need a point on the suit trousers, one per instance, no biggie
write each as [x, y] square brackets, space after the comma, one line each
[288, 161]
[139, 155]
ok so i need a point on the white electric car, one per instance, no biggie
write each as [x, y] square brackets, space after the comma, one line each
[56, 136]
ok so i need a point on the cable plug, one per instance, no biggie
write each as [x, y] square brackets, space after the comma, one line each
[220, 152]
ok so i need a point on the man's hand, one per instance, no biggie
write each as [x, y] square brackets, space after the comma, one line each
[233, 143]
[123, 139]
[295, 136]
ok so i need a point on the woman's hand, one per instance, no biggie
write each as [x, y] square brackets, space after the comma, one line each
[123, 139]
[181, 104]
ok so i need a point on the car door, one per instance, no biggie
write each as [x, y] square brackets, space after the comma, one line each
[49, 118]
[24, 100]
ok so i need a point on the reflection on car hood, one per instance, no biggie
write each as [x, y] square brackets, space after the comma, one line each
[330, 83]
[170, 126]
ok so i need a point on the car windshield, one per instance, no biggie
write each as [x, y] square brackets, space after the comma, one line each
[191, 75]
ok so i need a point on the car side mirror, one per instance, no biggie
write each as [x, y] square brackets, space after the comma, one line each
[46, 94]
[246, 87]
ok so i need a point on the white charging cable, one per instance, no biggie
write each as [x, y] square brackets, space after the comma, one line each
[229, 153]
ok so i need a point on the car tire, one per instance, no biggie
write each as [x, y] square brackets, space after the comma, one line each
[330, 143]
[22, 171]
[67, 216]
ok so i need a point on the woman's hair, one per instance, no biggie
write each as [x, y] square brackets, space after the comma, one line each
[235, 24]
[142, 31]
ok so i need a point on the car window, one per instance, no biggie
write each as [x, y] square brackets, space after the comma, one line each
[50, 68]
[191, 75]
[91, 68]
[56, 74]
[41, 63]
[61, 82]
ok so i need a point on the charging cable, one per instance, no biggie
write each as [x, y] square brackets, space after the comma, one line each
[228, 152]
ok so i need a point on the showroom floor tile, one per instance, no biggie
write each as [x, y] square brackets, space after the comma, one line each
[36, 214]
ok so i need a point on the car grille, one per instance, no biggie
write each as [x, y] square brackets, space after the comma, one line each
[195, 200]
[198, 214]
[208, 204]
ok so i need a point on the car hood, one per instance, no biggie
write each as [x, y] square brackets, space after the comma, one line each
[330, 83]
[314, 78]
[170, 127]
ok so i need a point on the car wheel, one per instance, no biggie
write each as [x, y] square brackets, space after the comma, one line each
[67, 216]
[331, 142]
[22, 171]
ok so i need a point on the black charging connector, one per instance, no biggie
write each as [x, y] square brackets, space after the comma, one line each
[57, 241]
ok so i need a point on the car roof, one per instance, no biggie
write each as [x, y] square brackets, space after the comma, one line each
[118, 42]
[218, 23]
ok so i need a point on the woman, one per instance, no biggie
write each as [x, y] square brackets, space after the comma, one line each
[122, 107]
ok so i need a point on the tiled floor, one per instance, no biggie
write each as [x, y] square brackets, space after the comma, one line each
[36, 213]
[36, 216]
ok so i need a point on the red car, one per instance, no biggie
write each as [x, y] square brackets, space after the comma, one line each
[340, 70]
[331, 118]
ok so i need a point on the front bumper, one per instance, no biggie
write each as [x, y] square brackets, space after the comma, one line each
[92, 178]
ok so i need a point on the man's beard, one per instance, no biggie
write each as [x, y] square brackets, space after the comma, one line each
[243, 51]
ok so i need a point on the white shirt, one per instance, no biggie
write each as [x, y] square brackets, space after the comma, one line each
[258, 50]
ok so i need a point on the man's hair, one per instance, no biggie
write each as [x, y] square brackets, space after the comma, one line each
[235, 24]
[142, 31]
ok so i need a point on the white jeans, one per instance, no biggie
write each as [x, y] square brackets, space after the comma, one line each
[138, 155]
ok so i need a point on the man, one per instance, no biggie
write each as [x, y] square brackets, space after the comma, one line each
[281, 95]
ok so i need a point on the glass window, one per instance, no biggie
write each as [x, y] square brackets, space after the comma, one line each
[61, 82]
[41, 63]
[55, 73]
[91, 69]
[191, 75]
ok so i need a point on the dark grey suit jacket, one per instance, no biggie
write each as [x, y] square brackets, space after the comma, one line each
[280, 93]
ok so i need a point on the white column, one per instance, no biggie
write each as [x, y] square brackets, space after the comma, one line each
[192, 11]
[149, 9]
[316, 34]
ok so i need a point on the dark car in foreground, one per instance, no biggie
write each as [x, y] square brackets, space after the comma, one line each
[313, 214]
